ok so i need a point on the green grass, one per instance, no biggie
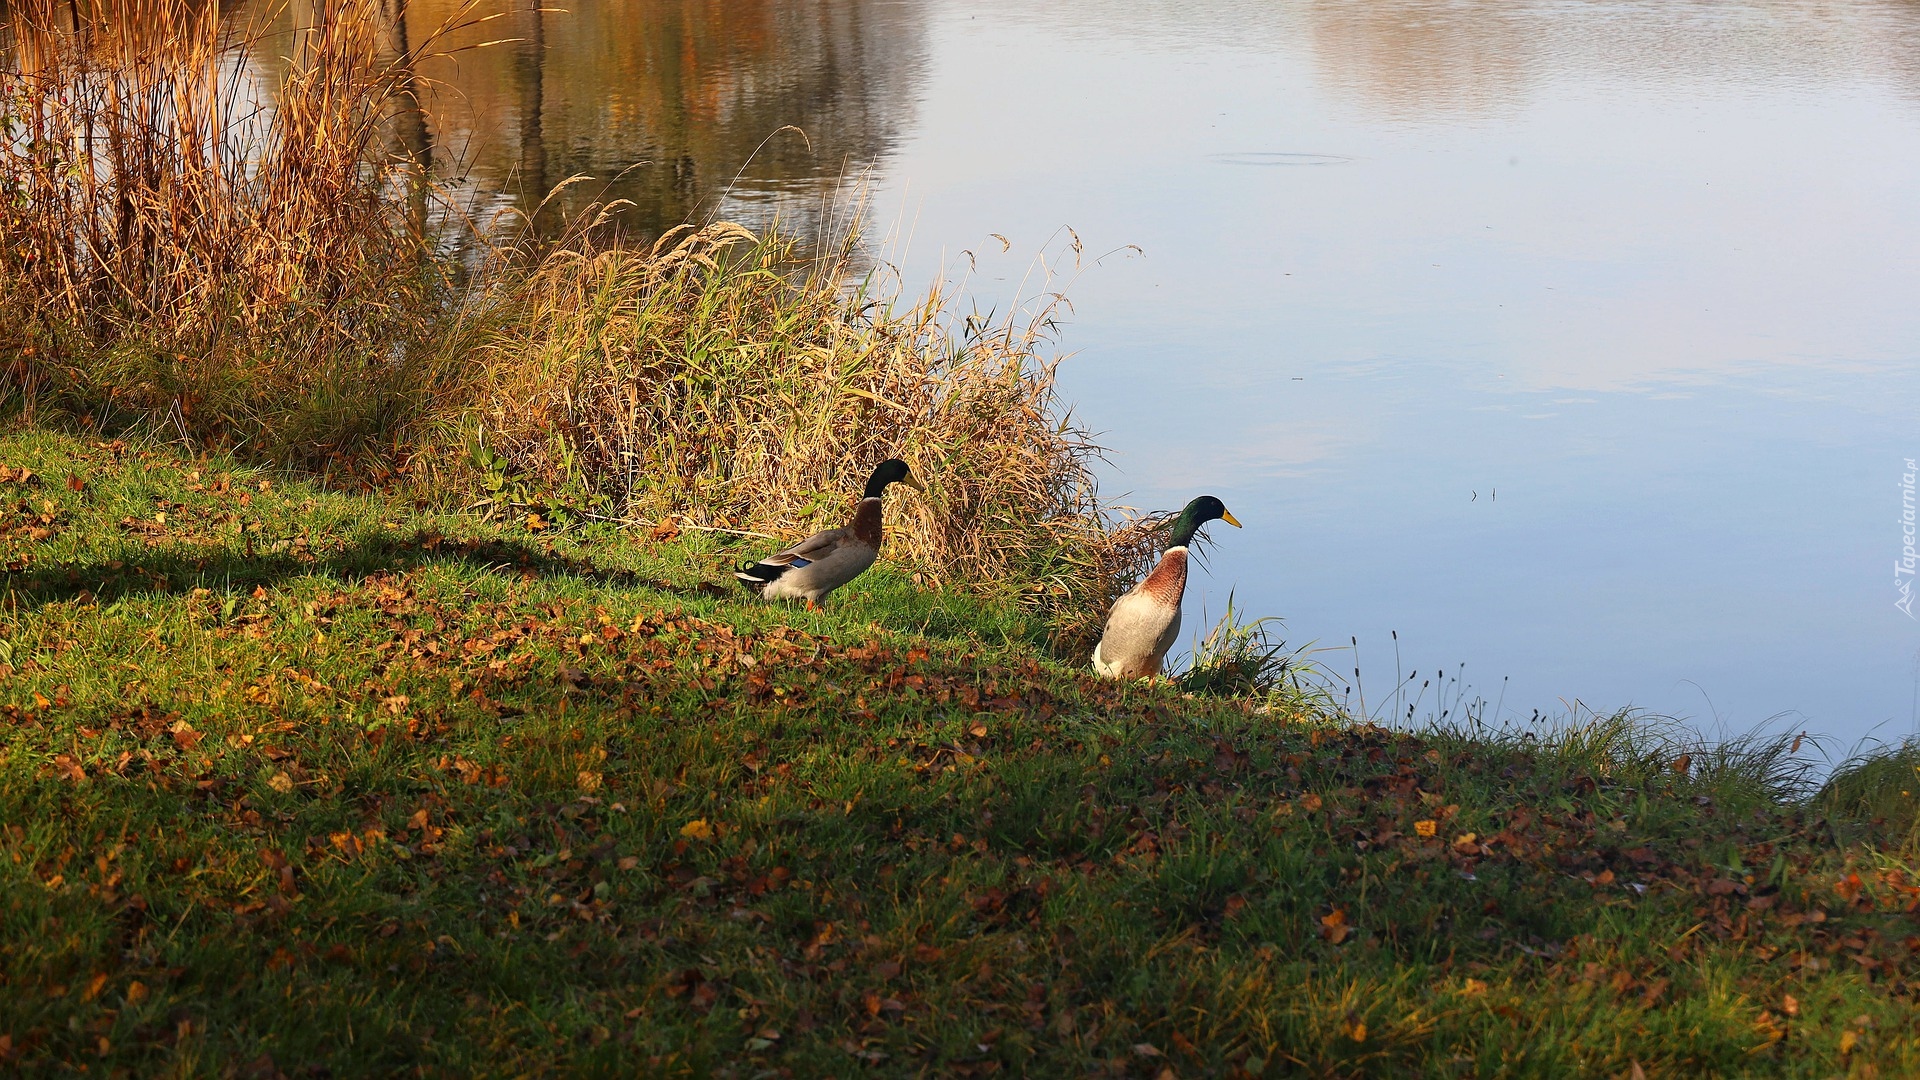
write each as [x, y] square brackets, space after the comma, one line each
[305, 783]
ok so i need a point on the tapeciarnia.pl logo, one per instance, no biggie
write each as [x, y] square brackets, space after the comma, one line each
[1903, 566]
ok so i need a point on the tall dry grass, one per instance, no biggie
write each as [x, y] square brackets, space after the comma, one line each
[728, 380]
[204, 222]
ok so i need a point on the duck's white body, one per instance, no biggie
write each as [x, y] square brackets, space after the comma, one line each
[1144, 622]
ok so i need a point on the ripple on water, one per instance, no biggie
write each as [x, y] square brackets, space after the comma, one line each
[1267, 157]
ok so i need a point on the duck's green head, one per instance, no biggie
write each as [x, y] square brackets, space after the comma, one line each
[1198, 512]
[891, 471]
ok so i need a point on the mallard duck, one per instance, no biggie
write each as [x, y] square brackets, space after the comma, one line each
[1145, 620]
[823, 562]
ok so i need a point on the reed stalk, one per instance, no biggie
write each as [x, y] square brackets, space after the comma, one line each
[204, 223]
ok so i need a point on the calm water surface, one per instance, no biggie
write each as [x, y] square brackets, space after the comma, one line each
[1577, 342]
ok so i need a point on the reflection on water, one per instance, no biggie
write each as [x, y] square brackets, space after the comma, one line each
[1409, 59]
[1418, 59]
[1446, 59]
[674, 105]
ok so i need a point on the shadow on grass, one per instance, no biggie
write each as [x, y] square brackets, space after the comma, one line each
[174, 572]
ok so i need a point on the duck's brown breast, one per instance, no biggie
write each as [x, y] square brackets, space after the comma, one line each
[866, 523]
[1168, 582]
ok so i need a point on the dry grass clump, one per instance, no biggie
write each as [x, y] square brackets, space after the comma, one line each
[1638, 749]
[721, 378]
[1878, 788]
[1247, 658]
[189, 237]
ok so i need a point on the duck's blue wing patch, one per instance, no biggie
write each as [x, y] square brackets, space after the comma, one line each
[798, 563]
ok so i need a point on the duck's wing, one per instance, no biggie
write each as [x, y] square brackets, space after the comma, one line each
[805, 553]
[812, 549]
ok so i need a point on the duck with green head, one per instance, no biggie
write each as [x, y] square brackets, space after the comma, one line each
[823, 562]
[1144, 622]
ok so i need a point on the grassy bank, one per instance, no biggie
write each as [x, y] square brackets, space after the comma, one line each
[296, 782]
[490, 770]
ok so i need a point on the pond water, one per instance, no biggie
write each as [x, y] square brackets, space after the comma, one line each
[1575, 342]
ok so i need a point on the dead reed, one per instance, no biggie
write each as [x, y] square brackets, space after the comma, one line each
[205, 223]
[725, 379]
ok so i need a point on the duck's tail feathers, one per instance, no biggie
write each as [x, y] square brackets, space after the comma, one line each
[758, 576]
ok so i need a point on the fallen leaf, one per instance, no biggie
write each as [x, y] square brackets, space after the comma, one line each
[1849, 887]
[697, 829]
[590, 781]
[282, 867]
[1653, 992]
[281, 783]
[1333, 926]
[1426, 828]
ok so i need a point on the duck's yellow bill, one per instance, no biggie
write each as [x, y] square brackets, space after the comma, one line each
[1229, 519]
[914, 482]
